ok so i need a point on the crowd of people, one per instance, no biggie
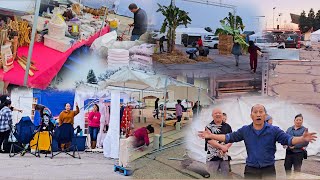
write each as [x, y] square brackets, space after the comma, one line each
[47, 121]
[260, 139]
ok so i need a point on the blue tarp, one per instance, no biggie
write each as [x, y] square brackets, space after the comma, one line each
[54, 100]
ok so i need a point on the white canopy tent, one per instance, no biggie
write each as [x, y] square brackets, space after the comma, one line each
[238, 111]
[135, 79]
[315, 36]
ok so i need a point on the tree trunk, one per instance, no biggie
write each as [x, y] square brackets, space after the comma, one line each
[169, 40]
[173, 38]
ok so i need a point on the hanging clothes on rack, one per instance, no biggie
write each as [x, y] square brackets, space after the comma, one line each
[104, 122]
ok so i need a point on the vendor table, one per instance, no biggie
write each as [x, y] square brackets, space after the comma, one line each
[48, 62]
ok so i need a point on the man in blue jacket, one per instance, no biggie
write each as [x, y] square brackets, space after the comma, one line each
[260, 140]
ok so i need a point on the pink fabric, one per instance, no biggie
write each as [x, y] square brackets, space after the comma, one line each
[178, 110]
[94, 119]
[48, 62]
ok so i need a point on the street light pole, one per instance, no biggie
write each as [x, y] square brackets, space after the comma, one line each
[273, 17]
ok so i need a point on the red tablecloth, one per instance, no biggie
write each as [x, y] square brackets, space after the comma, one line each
[48, 62]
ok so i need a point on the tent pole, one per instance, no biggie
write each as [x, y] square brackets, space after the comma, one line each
[164, 111]
[198, 101]
[142, 101]
[33, 34]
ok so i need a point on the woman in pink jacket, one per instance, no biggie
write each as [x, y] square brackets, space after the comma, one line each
[94, 125]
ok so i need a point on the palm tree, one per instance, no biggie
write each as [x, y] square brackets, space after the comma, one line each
[174, 17]
[229, 27]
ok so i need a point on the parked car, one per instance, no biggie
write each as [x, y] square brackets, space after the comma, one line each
[211, 41]
[137, 104]
[263, 43]
[172, 105]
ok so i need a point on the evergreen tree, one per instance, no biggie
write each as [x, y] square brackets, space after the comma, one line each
[311, 18]
[91, 77]
[317, 21]
[303, 23]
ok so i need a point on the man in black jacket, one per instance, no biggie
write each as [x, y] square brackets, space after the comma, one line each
[140, 22]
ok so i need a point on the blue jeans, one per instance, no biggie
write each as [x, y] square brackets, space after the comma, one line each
[134, 37]
[94, 133]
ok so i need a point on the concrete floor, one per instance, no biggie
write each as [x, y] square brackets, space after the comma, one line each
[220, 66]
[90, 166]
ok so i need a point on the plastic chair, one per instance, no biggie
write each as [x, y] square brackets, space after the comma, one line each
[24, 132]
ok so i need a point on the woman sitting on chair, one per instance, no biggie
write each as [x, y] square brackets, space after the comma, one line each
[66, 118]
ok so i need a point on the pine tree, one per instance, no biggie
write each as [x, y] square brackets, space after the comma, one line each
[91, 78]
[303, 23]
[311, 18]
[317, 21]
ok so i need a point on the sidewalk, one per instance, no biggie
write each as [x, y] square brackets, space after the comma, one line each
[63, 167]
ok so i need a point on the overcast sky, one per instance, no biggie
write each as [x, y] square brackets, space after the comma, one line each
[205, 15]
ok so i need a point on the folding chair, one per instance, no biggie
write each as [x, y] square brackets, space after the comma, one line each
[24, 132]
[64, 135]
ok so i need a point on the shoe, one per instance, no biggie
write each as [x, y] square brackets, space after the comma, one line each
[93, 144]
[237, 64]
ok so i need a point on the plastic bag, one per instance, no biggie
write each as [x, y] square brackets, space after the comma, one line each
[12, 138]
[7, 57]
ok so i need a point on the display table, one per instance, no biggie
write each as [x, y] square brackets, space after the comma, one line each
[48, 62]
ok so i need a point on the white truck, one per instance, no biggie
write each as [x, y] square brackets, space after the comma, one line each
[172, 105]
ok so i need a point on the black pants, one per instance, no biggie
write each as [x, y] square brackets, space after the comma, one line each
[179, 119]
[293, 159]
[161, 48]
[157, 113]
[4, 136]
[259, 173]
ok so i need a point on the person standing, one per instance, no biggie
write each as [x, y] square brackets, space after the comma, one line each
[269, 119]
[3, 99]
[225, 117]
[260, 140]
[196, 107]
[217, 156]
[200, 43]
[178, 111]
[5, 125]
[140, 22]
[236, 51]
[94, 125]
[253, 50]
[156, 108]
[295, 154]
[67, 117]
[161, 40]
